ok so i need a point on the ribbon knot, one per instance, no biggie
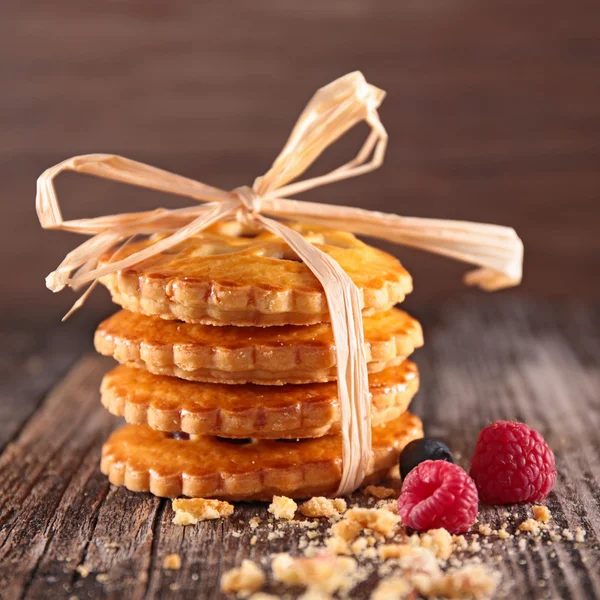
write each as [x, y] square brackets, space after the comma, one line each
[250, 204]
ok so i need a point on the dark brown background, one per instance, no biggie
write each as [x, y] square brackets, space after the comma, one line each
[493, 111]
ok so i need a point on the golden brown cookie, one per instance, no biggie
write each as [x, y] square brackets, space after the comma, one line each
[227, 275]
[248, 410]
[263, 355]
[145, 460]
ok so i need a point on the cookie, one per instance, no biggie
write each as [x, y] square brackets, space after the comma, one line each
[145, 460]
[228, 275]
[262, 355]
[247, 410]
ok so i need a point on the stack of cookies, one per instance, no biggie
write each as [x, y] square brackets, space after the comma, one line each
[227, 375]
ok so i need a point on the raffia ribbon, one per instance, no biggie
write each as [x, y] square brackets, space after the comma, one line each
[333, 110]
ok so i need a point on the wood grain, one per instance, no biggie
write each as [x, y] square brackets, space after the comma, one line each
[483, 360]
[493, 111]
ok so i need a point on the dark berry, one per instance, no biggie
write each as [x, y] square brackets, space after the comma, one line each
[421, 450]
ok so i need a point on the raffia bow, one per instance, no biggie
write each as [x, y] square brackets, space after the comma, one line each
[333, 110]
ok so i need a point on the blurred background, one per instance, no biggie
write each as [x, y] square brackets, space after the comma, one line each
[493, 112]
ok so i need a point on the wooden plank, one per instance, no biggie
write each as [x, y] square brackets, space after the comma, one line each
[45, 475]
[34, 362]
[485, 360]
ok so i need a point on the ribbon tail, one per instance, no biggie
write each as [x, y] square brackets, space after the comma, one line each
[497, 250]
[211, 213]
[83, 259]
[80, 301]
[344, 301]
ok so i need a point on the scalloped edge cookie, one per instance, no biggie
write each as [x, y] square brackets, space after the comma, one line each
[284, 292]
[248, 411]
[265, 356]
[145, 460]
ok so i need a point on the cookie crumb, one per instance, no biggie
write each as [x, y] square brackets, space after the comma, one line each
[542, 514]
[243, 580]
[283, 507]
[172, 562]
[421, 568]
[376, 519]
[393, 588]
[254, 522]
[174, 587]
[189, 511]
[379, 491]
[82, 571]
[580, 534]
[346, 530]
[394, 551]
[391, 506]
[319, 506]
[485, 529]
[337, 545]
[358, 545]
[567, 535]
[460, 542]
[472, 581]
[101, 577]
[555, 536]
[530, 526]
[439, 541]
[326, 574]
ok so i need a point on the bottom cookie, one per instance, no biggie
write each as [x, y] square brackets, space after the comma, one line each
[145, 460]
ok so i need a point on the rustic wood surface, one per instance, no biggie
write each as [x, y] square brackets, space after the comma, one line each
[484, 359]
[493, 111]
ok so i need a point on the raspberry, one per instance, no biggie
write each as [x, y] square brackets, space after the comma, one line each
[512, 464]
[438, 494]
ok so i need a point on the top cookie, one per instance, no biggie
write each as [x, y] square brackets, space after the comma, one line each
[229, 275]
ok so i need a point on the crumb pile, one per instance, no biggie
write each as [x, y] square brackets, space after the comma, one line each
[344, 548]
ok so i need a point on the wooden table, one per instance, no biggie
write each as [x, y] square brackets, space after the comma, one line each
[484, 359]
